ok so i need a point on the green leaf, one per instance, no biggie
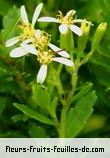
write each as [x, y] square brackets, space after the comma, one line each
[78, 116]
[9, 23]
[19, 117]
[36, 131]
[33, 114]
[83, 91]
[40, 96]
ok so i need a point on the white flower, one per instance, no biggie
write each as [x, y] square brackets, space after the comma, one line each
[66, 22]
[45, 57]
[19, 51]
[40, 42]
[41, 76]
[26, 27]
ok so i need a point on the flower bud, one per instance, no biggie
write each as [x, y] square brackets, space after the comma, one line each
[82, 40]
[98, 35]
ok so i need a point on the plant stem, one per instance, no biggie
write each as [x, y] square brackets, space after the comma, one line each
[63, 122]
[67, 101]
[74, 84]
[87, 57]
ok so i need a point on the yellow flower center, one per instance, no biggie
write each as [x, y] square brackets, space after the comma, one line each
[41, 40]
[67, 19]
[45, 57]
[28, 31]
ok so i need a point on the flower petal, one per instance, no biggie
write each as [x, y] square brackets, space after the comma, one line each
[82, 20]
[28, 41]
[29, 48]
[18, 52]
[41, 76]
[63, 28]
[59, 51]
[78, 20]
[12, 41]
[76, 30]
[24, 14]
[48, 19]
[64, 61]
[37, 33]
[36, 13]
[71, 13]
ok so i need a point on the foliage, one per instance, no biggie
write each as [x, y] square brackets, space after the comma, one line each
[71, 100]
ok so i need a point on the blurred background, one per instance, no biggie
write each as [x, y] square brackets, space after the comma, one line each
[14, 82]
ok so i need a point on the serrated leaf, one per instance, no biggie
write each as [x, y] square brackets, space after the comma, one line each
[40, 96]
[36, 131]
[9, 23]
[78, 116]
[33, 114]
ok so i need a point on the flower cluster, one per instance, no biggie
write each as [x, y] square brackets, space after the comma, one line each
[38, 42]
